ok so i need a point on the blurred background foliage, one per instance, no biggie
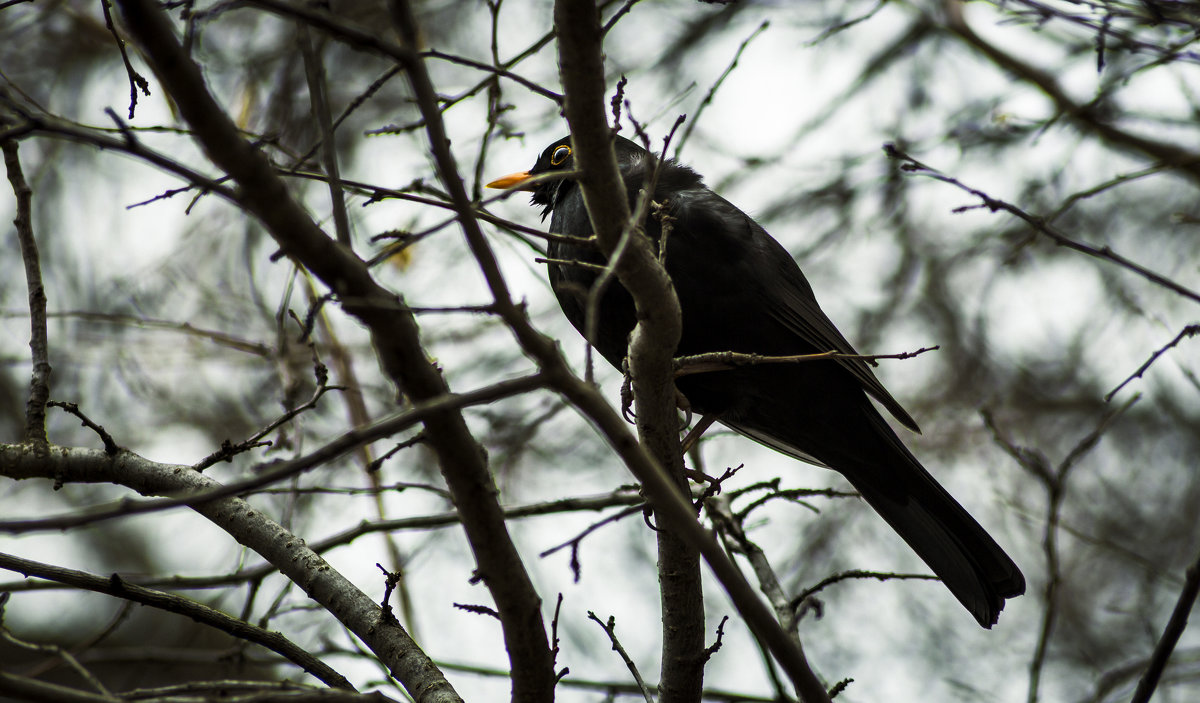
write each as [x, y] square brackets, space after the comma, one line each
[175, 328]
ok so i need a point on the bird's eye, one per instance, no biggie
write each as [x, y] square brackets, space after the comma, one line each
[560, 155]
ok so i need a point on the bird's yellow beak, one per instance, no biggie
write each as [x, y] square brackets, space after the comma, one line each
[512, 180]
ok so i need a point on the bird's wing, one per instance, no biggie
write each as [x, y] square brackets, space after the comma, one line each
[796, 307]
[788, 299]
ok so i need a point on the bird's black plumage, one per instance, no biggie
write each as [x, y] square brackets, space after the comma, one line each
[739, 290]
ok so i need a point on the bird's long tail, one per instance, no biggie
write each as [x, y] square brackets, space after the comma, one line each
[947, 538]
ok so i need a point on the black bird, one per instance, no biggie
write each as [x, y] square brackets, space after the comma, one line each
[741, 291]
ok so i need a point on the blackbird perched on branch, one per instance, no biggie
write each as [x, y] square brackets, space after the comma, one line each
[739, 290]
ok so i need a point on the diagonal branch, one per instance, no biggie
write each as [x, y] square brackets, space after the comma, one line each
[290, 555]
[115, 586]
[475, 494]
[1039, 224]
[394, 331]
[1170, 636]
[1087, 117]
[347, 442]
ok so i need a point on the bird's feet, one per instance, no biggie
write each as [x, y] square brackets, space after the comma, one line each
[627, 393]
[630, 416]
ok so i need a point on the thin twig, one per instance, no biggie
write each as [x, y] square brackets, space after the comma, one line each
[610, 629]
[733, 533]
[55, 651]
[620, 497]
[708, 97]
[1118, 180]
[606, 689]
[186, 328]
[497, 70]
[110, 445]
[791, 494]
[855, 574]
[318, 96]
[574, 542]
[1189, 331]
[114, 623]
[1039, 224]
[846, 24]
[136, 80]
[229, 450]
[724, 361]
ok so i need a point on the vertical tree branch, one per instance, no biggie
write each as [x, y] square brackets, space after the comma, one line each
[314, 72]
[39, 345]
[654, 340]
[643, 275]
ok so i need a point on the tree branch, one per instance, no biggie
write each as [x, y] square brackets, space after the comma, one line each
[1170, 636]
[353, 608]
[654, 339]
[1039, 224]
[170, 602]
[1087, 117]
[656, 336]
[394, 331]
[39, 344]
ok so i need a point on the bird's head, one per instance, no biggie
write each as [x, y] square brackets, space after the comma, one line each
[552, 172]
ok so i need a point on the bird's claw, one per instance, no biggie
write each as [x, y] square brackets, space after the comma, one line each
[627, 394]
[685, 406]
[647, 517]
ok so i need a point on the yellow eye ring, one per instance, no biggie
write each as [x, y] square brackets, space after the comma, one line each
[560, 155]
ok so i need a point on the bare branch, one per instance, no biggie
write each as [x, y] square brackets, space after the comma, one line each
[828, 581]
[1054, 481]
[1040, 225]
[733, 533]
[1170, 636]
[54, 651]
[136, 80]
[39, 344]
[114, 586]
[466, 473]
[1189, 331]
[314, 71]
[724, 361]
[1087, 117]
[255, 530]
[347, 442]
[708, 97]
[610, 629]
